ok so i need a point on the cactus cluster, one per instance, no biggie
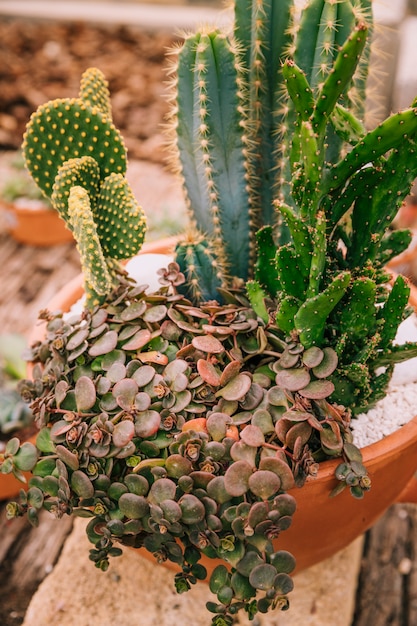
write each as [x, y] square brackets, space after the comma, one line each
[278, 166]
[78, 159]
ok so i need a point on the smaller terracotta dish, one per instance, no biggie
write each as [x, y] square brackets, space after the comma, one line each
[36, 226]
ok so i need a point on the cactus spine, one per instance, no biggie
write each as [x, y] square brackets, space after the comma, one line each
[78, 159]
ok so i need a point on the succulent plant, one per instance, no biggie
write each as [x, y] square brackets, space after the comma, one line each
[78, 159]
[179, 420]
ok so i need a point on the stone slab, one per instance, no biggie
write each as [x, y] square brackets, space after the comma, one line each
[135, 591]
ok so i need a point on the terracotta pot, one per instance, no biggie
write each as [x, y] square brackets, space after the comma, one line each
[36, 226]
[323, 525]
[9, 485]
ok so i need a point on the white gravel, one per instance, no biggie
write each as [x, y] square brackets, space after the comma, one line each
[400, 404]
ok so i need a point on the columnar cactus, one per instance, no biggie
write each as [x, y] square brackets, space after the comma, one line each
[78, 159]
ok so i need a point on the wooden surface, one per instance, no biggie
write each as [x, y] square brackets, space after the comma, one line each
[29, 277]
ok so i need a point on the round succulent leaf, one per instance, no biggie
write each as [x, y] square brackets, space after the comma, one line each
[192, 509]
[176, 367]
[288, 359]
[236, 389]
[281, 469]
[353, 453]
[216, 489]
[293, 379]
[162, 489]
[219, 578]
[217, 425]
[258, 513]
[171, 510]
[283, 584]
[123, 433]
[331, 442]
[317, 390]
[104, 344]
[243, 417]
[208, 372]
[176, 466]
[108, 403]
[231, 370]
[328, 364]
[276, 397]
[262, 419]
[242, 587]
[312, 357]
[147, 423]
[26, 457]
[250, 560]
[12, 446]
[43, 441]
[236, 478]
[133, 311]
[182, 400]
[155, 313]
[61, 389]
[99, 330]
[125, 393]
[77, 338]
[142, 401]
[133, 506]
[103, 385]
[116, 373]
[139, 339]
[252, 436]
[240, 451]
[301, 431]
[264, 484]
[136, 484]
[85, 394]
[144, 375]
[283, 561]
[112, 357]
[208, 343]
[263, 576]
[81, 484]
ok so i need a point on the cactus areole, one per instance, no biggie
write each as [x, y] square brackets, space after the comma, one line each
[179, 421]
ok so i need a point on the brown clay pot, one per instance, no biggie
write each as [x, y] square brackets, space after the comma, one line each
[36, 227]
[323, 525]
[9, 485]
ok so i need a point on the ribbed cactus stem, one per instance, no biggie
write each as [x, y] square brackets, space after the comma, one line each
[213, 145]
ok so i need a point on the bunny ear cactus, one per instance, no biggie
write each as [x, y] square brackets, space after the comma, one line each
[78, 159]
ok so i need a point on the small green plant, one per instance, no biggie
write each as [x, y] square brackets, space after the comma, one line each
[15, 415]
[177, 421]
[20, 185]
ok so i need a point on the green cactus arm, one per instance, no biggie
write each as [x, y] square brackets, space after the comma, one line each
[202, 268]
[373, 212]
[396, 354]
[347, 125]
[389, 134]
[300, 234]
[94, 91]
[64, 129]
[83, 172]
[339, 78]
[358, 316]
[309, 181]
[298, 89]
[210, 87]
[310, 38]
[120, 220]
[292, 279]
[393, 244]
[392, 313]
[286, 312]
[318, 256]
[93, 263]
[311, 317]
[257, 297]
[265, 271]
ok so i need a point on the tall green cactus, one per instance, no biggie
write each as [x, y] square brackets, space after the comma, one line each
[78, 159]
[278, 141]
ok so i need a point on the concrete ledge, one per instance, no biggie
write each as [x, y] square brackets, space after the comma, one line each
[135, 591]
[144, 15]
